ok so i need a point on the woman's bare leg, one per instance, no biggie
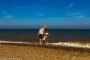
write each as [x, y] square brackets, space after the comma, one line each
[40, 42]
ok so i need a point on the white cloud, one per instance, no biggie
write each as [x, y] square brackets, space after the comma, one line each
[74, 13]
[3, 12]
[39, 14]
[70, 5]
[81, 16]
[77, 14]
[22, 7]
[8, 16]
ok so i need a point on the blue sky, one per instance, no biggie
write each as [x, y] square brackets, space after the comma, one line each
[53, 13]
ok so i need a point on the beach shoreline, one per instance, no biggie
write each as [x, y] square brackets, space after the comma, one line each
[63, 44]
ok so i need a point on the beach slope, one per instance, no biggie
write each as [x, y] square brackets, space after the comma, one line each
[38, 52]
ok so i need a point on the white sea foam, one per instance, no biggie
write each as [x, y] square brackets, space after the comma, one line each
[53, 44]
[70, 45]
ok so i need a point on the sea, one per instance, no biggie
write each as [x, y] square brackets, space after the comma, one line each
[55, 35]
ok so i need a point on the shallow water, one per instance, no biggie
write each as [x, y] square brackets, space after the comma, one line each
[55, 35]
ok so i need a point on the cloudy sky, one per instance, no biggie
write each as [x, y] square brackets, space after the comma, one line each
[53, 13]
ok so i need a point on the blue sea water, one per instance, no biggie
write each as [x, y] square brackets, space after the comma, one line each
[55, 35]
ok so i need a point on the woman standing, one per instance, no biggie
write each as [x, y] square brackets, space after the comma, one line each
[41, 34]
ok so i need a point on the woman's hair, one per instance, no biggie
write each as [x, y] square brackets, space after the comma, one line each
[43, 26]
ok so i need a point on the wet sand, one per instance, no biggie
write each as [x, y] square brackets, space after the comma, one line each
[38, 52]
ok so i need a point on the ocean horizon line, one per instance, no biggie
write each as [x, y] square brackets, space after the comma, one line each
[48, 28]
